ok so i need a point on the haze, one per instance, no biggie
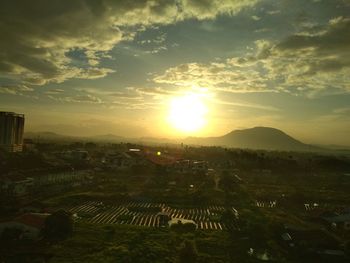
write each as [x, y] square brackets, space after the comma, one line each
[96, 67]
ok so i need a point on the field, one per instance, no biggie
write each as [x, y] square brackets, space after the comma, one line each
[145, 214]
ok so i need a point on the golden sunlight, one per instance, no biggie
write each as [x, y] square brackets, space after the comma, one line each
[187, 113]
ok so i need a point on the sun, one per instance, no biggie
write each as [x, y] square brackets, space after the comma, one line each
[187, 113]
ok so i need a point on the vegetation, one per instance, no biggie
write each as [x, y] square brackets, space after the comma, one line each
[58, 226]
[137, 244]
[238, 179]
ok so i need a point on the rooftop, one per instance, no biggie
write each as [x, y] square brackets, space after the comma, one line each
[11, 113]
[36, 220]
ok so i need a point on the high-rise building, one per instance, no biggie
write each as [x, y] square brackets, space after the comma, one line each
[11, 131]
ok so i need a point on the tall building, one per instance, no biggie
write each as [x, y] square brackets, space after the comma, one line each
[11, 131]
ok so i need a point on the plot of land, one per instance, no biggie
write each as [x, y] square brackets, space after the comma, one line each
[146, 214]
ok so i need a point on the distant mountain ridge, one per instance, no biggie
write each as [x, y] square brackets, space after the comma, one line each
[265, 138]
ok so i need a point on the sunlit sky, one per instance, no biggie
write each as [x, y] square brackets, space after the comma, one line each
[85, 68]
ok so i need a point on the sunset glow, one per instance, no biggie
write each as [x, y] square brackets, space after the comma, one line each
[187, 113]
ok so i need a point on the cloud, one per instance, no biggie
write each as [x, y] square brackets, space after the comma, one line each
[315, 61]
[54, 91]
[36, 36]
[273, 12]
[15, 89]
[245, 105]
[209, 9]
[85, 98]
[341, 111]
[157, 91]
[312, 62]
[225, 76]
[94, 73]
[333, 37]
[128, 93]
[127, 98]
[155, 45]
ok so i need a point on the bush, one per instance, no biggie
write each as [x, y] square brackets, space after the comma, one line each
[59, 225]
[188, 252]
[184, 228]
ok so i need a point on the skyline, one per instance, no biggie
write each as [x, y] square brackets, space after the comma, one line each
[88, 68]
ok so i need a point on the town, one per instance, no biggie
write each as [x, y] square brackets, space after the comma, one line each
[89, 200]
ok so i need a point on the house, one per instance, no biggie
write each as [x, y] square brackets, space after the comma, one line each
[34, 207]
[287, 239]
[69, 176]
[181, 166]
[312, 242]
[188, 166]
[199, 166]
[175, 221]
[28, 145]
[75, 155]
[123, 160]
[341, 221]
[28, 225]
[164, 218]
[17, 187]
[161, 159]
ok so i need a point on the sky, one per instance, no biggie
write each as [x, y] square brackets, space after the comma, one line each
[92, 67]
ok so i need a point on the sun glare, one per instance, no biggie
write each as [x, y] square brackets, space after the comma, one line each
[187, 113]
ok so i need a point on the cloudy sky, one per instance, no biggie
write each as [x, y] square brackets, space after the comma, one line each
[87, 67]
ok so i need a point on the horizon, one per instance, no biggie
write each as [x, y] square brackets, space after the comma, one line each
[175, 131]
[174, 139]
[176, 69]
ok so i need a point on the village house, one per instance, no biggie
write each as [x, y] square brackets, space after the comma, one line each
[26, 226]
[15, 187]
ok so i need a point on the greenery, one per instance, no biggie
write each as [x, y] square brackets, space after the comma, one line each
[121, 243]
[287, 178]
[58, 225]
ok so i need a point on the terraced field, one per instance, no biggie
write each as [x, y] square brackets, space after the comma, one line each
[146, 214]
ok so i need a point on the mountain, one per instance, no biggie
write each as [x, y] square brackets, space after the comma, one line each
[47, 136]
[255, 138]
[107, 138]
[51, 136]
[264, 138]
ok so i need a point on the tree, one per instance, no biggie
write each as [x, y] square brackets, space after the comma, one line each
[11, 234]
[230, 220]
[228, 182]
[347, 247]
[183, 228]
[59, 225]
[188, 252]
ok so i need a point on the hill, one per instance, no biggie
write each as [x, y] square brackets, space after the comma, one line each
[264, 138]
[47, 136]
[255, 138]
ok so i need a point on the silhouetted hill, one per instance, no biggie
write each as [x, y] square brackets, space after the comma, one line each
[46, 136]
[51, 136]
[256, 138]
[107, 138]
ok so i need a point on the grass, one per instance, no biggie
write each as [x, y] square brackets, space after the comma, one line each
[91, 243]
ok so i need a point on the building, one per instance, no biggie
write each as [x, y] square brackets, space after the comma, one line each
[28, 226]
[178, 221]
[124, 160]
[11, 131]
[16, 187]
[163, 218]
[340, 222]
[28, 145]
[75, 155]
